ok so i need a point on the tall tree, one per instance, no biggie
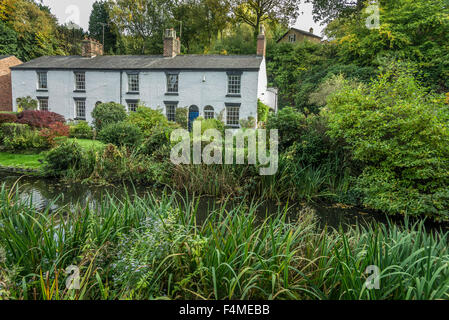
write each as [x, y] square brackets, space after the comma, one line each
[198, 33]
[100, 26]
[144, 20]
[255, 12]
[327, 10]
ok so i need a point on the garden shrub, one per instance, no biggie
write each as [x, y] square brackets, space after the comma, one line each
[7, 117]
[81, 130]
[38, 118]
[249, 123]
[26, 103]
[20, 137]
[121, 134]
[290, 123]
[107, 113]
[55, 130]
[66, 156]
[159, 137]
[400, 132]
[182, 117]
[262, 111]
[147, 119]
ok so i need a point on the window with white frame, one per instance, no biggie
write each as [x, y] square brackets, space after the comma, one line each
[209, 112]
[133, 82]
[233, 115]
[43, 103]
[80, 81]
[132, 105]
[292, 37]
[234, 83]
[42, 80]
[172, 83]
[170, 111]
[80, 109]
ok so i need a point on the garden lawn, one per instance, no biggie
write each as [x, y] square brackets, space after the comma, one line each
[31, 161]
[87, 143]
[25, 161]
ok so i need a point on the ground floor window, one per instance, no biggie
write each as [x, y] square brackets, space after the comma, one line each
[43, 104]
[80, 109]
[209, 112]
[170, 112]
[132, 105]
[233, 115]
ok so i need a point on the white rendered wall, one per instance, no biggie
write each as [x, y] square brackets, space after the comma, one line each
[200, 88]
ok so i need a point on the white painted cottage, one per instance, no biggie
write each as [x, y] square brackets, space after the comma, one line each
[206, 84]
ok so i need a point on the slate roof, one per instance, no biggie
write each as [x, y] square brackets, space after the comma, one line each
[306, 33]
[181, 62]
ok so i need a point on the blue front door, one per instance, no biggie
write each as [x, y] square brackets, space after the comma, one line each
[194, 113]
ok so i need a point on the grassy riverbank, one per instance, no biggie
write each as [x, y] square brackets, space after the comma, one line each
[34, 160]
[151, 247]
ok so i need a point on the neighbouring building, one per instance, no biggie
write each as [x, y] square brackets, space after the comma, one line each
[209, 85]
[5, 81]
[296, 35]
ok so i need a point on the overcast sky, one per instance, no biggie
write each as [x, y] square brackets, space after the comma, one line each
[78, 11]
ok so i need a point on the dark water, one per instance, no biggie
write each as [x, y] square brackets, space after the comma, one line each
[52, 193]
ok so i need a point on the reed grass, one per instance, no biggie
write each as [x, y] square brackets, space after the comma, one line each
[154, 248]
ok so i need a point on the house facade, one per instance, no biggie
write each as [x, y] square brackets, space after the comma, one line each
[208, 85]
[5, 81]
[296, 35]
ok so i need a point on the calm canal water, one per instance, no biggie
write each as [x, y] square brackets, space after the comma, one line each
[48, 192]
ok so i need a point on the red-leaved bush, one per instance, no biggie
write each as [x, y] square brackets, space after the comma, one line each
[57, 129]
[39, 119]
[8, 118]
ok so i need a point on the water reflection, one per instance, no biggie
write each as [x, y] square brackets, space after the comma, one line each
[52, 193]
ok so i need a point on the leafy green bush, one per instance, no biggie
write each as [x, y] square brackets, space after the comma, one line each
[147, 119]
[400, 132]
[262, 111]
[20, 137]
[121, 134]
[182, 117]
[107, 113]
[26, 103]
[66, 156]
[81, 130]
[159, 137]
[290, 124]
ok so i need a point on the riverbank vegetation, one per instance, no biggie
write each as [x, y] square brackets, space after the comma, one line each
[142, 248]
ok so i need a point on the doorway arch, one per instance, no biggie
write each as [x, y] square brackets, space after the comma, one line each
[194, 112]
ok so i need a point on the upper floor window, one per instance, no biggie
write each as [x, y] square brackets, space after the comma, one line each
[133, 82]
[42, 80]
[234, 83]
[43, 103]
[172, 82]
[292, 38]
[80, 81]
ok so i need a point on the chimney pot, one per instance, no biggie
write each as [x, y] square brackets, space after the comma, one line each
[172, 44]
[311, 30]
[261, 42]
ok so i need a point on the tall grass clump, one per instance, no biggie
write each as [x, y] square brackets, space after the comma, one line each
[153, 247]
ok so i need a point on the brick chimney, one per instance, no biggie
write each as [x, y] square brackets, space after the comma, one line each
[311, 30]
[172, 44]
[91, 48]
[261, 42]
